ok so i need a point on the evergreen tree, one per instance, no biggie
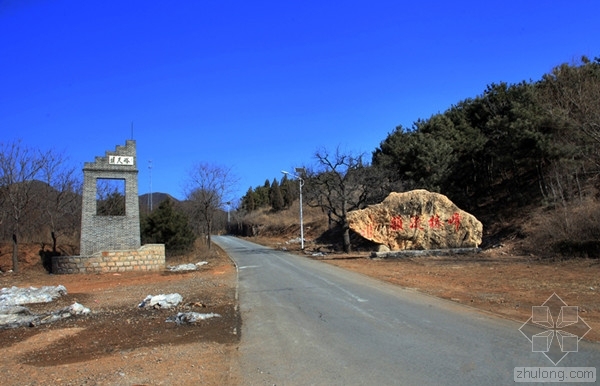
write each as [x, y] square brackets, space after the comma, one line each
[262, 195]
[248, 201]
[276, 197]
[289, 191]
[169, 226]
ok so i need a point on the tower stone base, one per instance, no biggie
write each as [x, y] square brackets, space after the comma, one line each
[150, 257]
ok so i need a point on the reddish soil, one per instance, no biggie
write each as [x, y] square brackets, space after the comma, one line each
[119, 343]
[122, 344]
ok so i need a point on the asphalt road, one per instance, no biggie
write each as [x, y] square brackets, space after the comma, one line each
[309, 323]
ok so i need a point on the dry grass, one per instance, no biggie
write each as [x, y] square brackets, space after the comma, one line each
[550, 233]
[287, 222]
[567, 231]
[200, 252]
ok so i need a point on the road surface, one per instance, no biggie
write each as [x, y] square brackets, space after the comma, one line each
[309, 323]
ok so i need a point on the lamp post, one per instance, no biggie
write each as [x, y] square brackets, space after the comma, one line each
[301, 183]
[228, 203]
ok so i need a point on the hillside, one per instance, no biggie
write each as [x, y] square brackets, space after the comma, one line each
[523, 158]
[157, 198]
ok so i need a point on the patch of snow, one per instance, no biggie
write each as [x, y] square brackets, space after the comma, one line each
[13, 314]
[297, 240]
[186, 267]
[15, 296]
[18, 316]
[161, 301]
[77, 309]
[191, 317]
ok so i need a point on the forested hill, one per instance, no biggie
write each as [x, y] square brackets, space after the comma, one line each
[516, 154]
[528, 145]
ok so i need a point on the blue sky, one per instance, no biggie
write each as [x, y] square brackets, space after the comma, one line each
[259, 86]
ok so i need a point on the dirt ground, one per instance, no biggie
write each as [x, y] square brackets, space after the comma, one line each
[120, 344]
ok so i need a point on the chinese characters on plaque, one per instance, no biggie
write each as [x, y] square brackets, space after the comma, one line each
[120, 160]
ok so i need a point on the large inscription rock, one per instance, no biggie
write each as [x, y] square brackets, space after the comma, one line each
[418, 219]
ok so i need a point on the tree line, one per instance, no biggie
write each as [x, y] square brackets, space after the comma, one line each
[534, 142]
[526, 142]
[276, 195]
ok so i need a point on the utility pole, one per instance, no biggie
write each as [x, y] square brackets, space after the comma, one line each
[228, 203]
[150, 198]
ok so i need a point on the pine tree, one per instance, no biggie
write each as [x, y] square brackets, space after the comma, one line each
[276, 197]
[248, 201]
[289, 191]
[168, 226]
[262, 194]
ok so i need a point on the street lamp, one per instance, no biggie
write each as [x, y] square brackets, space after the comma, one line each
[228, 203]
[299, 171]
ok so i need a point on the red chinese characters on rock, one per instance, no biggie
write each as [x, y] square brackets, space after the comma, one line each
[369, 229]
[435, 222]
[455, 220]
[396, 223]
[415, 223]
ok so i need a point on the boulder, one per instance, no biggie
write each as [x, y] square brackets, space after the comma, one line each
[418, 219]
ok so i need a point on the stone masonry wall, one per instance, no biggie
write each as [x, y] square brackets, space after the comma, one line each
[150, 257]
[101, 233]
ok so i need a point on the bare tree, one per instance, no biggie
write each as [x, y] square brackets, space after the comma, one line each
[340, 183]
[61, 199]
[19, 167]
[110, 197]
[570, 94]
[208, 189]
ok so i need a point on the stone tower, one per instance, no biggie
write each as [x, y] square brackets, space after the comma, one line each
[111, 232]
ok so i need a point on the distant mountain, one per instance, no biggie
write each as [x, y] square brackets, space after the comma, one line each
[157, 198]
[41, 189]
